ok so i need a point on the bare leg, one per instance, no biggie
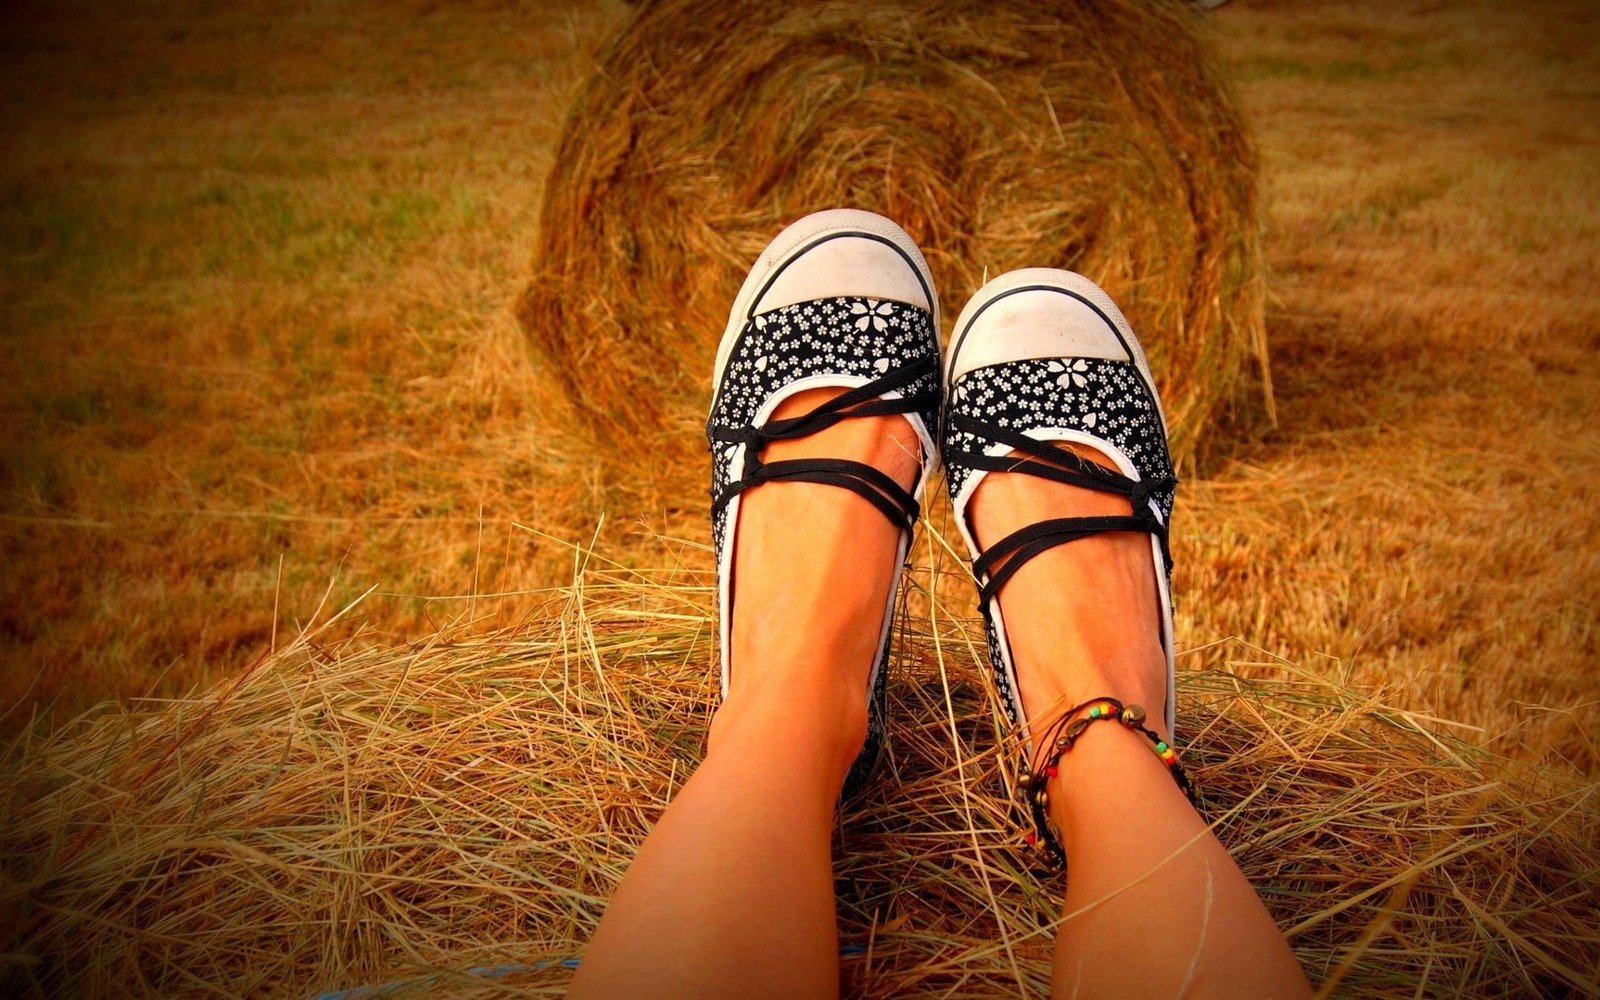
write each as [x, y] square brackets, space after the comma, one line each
[1155, 906]
[732, 894]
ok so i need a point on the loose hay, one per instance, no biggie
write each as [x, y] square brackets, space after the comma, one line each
[1096, 136]
[449, 817]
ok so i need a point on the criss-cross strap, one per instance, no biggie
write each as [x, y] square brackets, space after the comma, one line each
[873, 485]
[1000, 562]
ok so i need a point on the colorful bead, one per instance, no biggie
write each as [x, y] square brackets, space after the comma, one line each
[1066, 732]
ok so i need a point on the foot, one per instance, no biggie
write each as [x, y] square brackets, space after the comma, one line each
[1083, 619]
[1044, 372]
[820, 431]
[813, 565]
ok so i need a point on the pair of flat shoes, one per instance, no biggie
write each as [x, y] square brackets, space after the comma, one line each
[1039, 357]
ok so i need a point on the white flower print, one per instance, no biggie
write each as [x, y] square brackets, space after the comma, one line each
[1106, 399]
[872, 311]
[1113, 403]
[1070, 373]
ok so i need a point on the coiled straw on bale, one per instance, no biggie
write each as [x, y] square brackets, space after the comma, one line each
[1096, 136]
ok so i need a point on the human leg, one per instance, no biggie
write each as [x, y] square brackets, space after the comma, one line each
[1155, 906]
[732, 893]
[1056, 456]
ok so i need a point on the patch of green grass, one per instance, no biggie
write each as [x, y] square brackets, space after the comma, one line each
[80, 406]
[1388, 204]
[407, 214]
[34, 472]
[275, 530]
[39, 231]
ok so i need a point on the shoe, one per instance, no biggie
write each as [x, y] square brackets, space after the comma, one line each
[1042, 355]
[841, 298]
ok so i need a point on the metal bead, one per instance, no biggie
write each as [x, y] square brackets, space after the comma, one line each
[1024, 780]
[1133, 715]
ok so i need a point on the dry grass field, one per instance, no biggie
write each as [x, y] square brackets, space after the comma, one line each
[258, 273]
[258, 269]
[259, 357]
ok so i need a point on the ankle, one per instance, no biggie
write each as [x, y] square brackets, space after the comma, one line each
[1131, 676]
[798, 714]
[1111, 762]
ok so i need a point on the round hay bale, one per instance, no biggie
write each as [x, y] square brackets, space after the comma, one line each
[1097, 136]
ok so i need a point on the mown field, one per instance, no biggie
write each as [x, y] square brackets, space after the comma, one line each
[259, 262]
[257, 270]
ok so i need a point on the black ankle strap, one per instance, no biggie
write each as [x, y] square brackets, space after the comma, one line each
[1025, 543]
[898, 505]
[1038, 458]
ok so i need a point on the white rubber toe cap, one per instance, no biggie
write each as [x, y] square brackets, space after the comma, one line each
[843, 251]
[845, 265]
[1032, 313]
[839, 252]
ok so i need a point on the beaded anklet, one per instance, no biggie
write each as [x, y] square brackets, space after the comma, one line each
[1058, 739]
